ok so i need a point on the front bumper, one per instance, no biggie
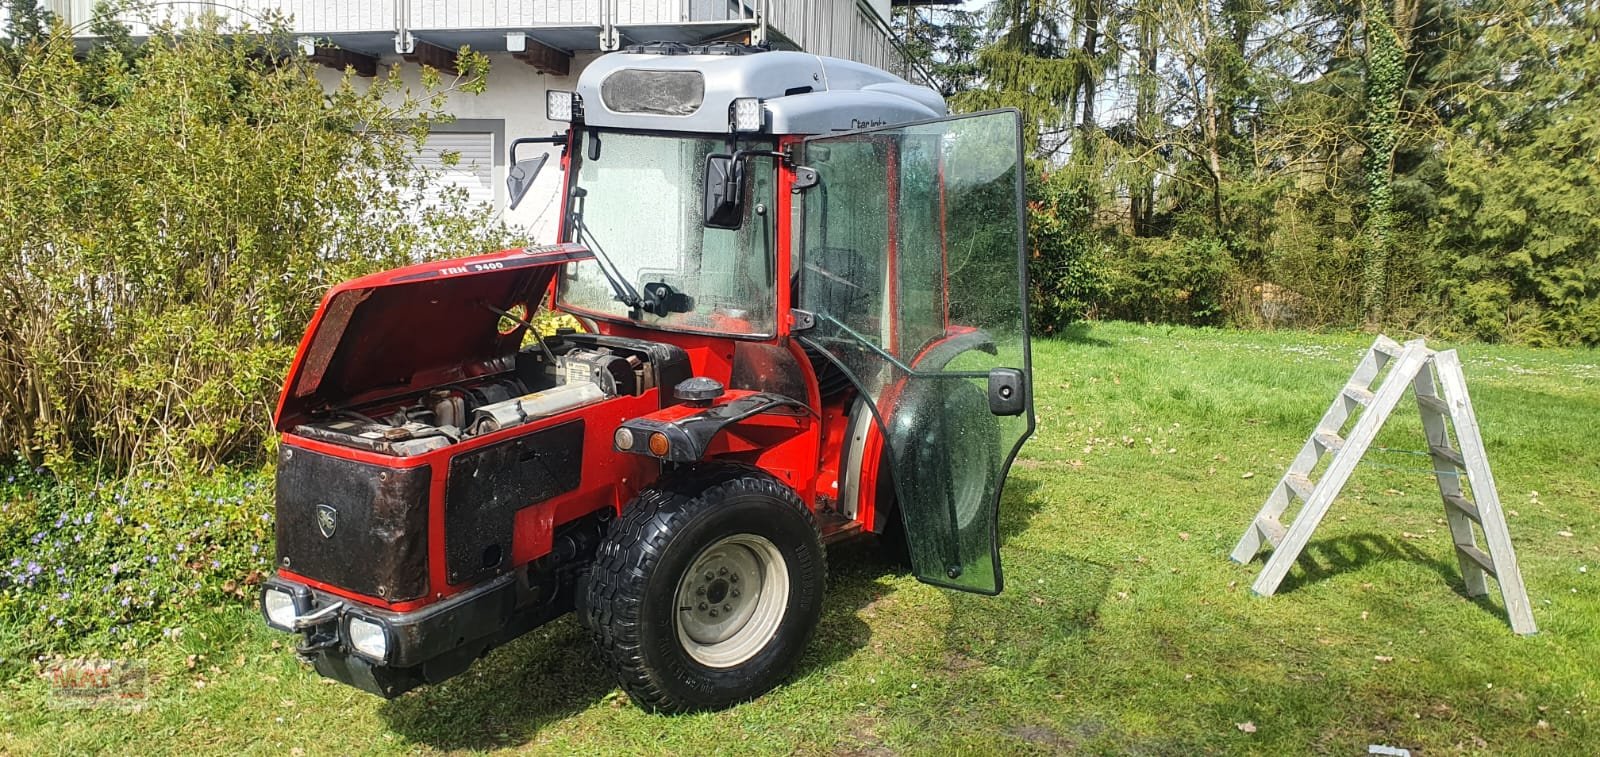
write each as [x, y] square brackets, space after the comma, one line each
[428, 645]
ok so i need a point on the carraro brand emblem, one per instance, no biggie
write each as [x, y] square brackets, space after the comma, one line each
[327, 520]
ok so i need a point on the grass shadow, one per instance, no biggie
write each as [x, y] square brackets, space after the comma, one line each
[1325, 558]
[1078, 333]
[554, 673]
[506, 697]
[1018, 505]
[1045, 603]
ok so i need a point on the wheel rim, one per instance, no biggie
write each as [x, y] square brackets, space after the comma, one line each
[732, 600]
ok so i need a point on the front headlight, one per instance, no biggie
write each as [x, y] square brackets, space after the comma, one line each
[368, 639]
[279, 608]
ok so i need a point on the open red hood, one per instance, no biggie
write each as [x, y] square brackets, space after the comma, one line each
[411, 328]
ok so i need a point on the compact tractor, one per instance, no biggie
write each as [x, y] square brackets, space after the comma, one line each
[802, 297]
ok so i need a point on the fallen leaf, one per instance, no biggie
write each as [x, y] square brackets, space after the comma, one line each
[1246, 726]
[1249, 474]
[1383, 658]
[1184, 535]
[1363, 614]
[1564, 534]
[1543, 724]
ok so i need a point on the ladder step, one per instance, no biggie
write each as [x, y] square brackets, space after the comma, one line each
[1478, 556]
[1359, 395]
[1271, 529]
[1387, 347]
[1449, 453]
[1467, 508]
[1299, 485]
[1328, 441]
[1433, 403]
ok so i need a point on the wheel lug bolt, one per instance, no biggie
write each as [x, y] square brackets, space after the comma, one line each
[702, 605]
[713, 613]
[701, 591]
[734, 578]
[710, 575]
[735, 592]
[723, 571]
[727, 608]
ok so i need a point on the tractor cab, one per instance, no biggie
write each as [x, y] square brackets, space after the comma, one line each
[803, 303]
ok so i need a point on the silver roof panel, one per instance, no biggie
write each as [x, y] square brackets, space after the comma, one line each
[802, 93]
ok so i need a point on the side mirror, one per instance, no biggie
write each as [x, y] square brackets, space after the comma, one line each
[724, 200]
[520, 178]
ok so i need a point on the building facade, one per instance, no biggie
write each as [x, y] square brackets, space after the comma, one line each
[533, 46]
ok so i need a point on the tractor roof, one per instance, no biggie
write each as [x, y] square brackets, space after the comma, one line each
[678, 88]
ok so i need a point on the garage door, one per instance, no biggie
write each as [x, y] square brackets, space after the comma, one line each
[473, 171]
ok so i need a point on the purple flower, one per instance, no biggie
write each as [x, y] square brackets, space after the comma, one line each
[33, 568]
[215, 565]
[66, 595]
[16, 562]
[77, 538]
[124, 602]
[117, 520]
[180, 546]
[116, 568]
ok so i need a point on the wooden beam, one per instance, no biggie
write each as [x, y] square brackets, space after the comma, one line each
[340, 59]
[544, 59]
[433, 55]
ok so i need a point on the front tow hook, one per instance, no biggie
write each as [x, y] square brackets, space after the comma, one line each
[318, 617]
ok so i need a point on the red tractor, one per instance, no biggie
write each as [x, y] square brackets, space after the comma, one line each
[802, 296]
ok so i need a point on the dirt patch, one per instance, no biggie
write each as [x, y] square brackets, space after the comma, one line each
[863, 740]
[1042, 736]
[956, 662]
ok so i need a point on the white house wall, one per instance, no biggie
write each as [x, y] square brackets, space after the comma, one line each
[512, 106]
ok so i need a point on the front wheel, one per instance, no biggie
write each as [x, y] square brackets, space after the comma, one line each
[707, 589]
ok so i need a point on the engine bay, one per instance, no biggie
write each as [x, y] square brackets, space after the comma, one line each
[517, 389]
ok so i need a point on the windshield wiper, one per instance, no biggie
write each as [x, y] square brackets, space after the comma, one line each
[619, 283]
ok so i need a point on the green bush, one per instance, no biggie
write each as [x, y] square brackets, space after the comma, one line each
[1064, 249]
[100, 564]
[170, 214]
[1176, 280]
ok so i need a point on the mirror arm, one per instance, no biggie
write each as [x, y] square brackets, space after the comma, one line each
[553, 139]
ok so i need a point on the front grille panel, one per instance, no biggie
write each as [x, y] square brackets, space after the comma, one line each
[378, 544]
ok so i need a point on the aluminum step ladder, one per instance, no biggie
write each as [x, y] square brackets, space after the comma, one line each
[1440, 388]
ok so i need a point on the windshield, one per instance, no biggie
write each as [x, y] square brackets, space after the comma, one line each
[641, 205]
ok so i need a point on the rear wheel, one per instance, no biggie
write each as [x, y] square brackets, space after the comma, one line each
[707, 589]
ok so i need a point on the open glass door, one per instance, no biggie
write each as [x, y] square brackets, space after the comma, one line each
[913, 273]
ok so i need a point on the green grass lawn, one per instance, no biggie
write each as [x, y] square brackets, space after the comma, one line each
[1124, 627]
